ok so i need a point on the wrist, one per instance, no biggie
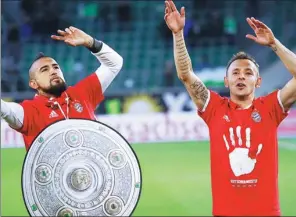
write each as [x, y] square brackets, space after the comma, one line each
[178, 34]
[96, 46]
[274, 45]
[89, 41]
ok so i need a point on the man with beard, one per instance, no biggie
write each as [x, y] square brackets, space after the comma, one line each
[55, 101]
[243, 129]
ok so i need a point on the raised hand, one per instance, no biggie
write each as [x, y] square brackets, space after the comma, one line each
[264, 35]
[174, 20]
[74, 37]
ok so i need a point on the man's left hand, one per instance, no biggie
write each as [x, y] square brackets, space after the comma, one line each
[74, 37]
[264, 35]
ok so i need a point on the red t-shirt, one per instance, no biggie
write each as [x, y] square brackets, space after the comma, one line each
[41, 111]
[244, 155]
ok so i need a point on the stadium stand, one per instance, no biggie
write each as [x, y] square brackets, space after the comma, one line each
[140, 35]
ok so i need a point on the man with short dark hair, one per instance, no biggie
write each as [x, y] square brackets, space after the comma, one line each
[241, 56]
[55, 101]
[243, 129]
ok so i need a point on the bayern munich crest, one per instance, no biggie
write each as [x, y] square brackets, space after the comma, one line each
[256, 116]
[78, 107]
[80, 167]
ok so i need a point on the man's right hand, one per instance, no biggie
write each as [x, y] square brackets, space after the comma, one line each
[174, 20]
[195, 87]
[74, 37]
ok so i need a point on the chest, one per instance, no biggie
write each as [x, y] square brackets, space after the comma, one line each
[245, 129]
[258, 121]
[74, 109]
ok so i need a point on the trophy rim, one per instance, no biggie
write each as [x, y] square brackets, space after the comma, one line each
[96, 121]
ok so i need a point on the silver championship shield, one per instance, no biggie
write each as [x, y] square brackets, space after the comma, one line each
[80, 167]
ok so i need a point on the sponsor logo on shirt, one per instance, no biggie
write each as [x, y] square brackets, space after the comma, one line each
[53, 114]
[226, 118]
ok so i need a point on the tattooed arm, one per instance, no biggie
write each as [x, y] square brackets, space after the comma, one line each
[195, 87]
[264, 36]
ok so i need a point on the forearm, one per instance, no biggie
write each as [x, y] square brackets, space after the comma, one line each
[12, 113]
[111, 63]
[194, 86]
[181, 56]
[287, 57]
[107, 56]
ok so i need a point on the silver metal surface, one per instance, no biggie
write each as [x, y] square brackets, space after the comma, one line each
[80, 167]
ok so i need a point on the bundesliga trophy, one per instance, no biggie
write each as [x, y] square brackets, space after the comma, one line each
[80, 167]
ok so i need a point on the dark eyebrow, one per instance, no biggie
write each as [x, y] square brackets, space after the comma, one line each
[43, 67]
[46, 66]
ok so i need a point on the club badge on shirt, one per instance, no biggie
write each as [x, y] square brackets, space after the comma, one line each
[78, 107]
[256, 116]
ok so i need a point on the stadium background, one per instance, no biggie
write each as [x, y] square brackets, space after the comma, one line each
[146, 102]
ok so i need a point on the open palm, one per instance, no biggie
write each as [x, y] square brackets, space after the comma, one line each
[72, 36]
[264, 35]
[174, 20]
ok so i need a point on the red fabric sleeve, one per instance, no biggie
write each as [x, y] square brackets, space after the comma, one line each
[210, 107]
[30, 114]
[275, 106]
[91, 90]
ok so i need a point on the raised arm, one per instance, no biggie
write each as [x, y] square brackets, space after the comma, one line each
[264, 36]
[111, 64]
[111, 61]
[195, 87]
[13, 114]
[288, 92]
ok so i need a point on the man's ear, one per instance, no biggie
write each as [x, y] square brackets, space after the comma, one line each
[33, 84]
[258, 82]
[226, 82]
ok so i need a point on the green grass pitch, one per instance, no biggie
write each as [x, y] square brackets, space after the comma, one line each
[176, 179]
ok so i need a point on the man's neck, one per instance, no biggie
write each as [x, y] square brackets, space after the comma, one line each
[46, 95]
[243, 102]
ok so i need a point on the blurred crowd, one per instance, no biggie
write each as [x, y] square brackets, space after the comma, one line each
[42, 18]
[39, 19]
[34, 19]
[213, 23]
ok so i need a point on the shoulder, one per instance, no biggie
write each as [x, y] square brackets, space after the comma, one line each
[30, 104]
[88, 80]
[269, 99]
[89, 83]
[214, 105]
[272, 102]
[217, 98]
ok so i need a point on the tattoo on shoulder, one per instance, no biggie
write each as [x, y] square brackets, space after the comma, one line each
[199, 91]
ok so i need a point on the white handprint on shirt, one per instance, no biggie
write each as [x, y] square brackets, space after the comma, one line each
[240, 161]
